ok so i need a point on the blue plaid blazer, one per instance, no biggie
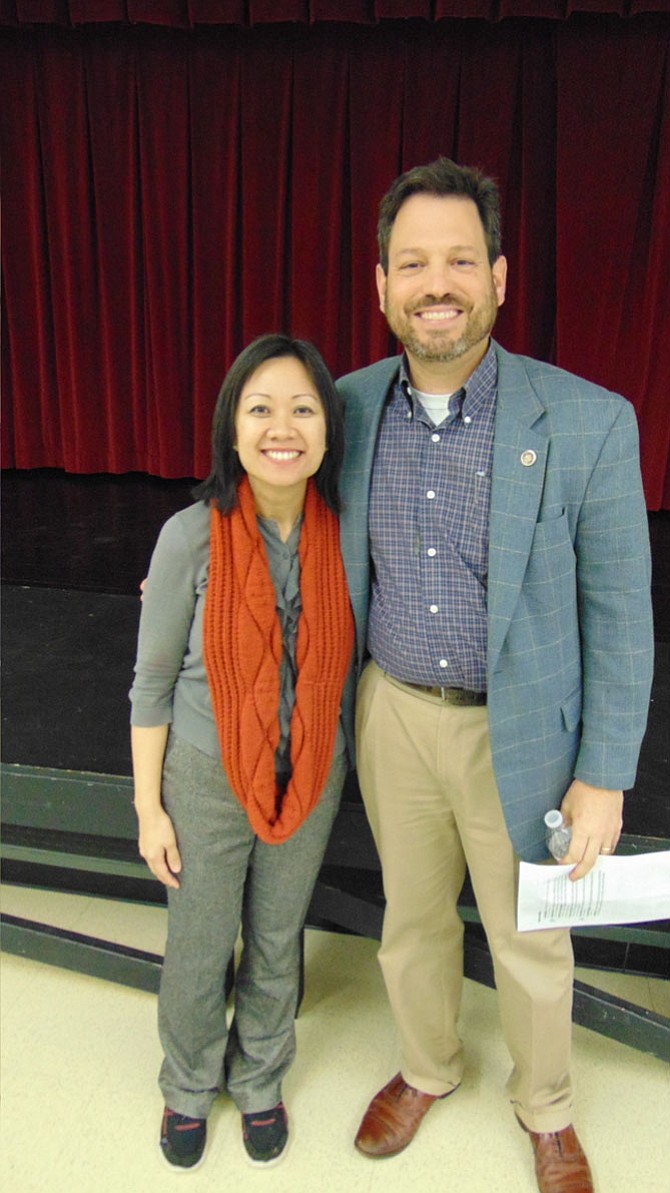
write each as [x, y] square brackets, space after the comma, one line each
[570, 638]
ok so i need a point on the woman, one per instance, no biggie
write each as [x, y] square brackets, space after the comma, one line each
[239, 748]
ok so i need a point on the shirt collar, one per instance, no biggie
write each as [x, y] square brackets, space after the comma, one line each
[480, 387]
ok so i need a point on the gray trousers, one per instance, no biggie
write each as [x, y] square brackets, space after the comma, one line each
[231, 878]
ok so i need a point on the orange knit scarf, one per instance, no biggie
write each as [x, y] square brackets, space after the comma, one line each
[243, 647]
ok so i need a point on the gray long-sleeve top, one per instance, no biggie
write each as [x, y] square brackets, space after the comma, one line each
[170, 678]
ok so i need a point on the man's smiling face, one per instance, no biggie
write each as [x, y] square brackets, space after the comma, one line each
[441, 295]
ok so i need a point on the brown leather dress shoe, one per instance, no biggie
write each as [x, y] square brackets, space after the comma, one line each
[393, 1118]
[560, 1163]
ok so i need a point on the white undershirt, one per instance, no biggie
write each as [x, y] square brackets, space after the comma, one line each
[435, 405]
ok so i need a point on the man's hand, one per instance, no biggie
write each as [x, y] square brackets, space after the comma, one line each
[595, 816]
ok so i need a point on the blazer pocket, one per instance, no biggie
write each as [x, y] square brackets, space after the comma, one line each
[571, 710]
[551, 531]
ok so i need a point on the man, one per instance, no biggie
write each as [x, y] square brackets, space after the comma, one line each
[505, 605]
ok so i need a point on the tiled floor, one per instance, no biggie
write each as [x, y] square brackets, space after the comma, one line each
[81, 1108]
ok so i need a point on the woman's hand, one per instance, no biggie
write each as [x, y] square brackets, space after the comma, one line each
[157, 840]
[158, 847]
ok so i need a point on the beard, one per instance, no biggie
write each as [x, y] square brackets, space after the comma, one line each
[440, 347]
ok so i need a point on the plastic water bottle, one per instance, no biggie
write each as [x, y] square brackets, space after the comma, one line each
[557, 834]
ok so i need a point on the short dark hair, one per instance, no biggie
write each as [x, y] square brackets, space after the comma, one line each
[227, 472]
[442, 178]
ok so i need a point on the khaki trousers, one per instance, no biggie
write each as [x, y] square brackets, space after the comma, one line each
[427, 781]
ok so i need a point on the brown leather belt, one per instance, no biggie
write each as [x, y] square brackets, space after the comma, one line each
[459, 696]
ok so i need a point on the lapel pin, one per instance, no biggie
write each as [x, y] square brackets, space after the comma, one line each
[528, 458]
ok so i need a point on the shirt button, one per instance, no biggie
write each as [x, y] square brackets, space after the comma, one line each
[435, 438]
[467, 420]
[430, 494]
[433, 608]
[443, 663]
[431, 551]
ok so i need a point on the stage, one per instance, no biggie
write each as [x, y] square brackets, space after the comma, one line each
[74, 551]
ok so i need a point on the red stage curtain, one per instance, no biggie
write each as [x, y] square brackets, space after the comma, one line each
[184, 14]
[168, 194]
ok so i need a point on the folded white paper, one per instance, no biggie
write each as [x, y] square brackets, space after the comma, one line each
[618, 890]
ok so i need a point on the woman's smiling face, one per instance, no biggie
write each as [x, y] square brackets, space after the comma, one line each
[280, 426]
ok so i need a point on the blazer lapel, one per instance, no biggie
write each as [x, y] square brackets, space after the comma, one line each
[520, 449]
[364, 394]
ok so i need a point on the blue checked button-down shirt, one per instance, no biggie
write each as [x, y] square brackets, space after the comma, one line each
[429, 529]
